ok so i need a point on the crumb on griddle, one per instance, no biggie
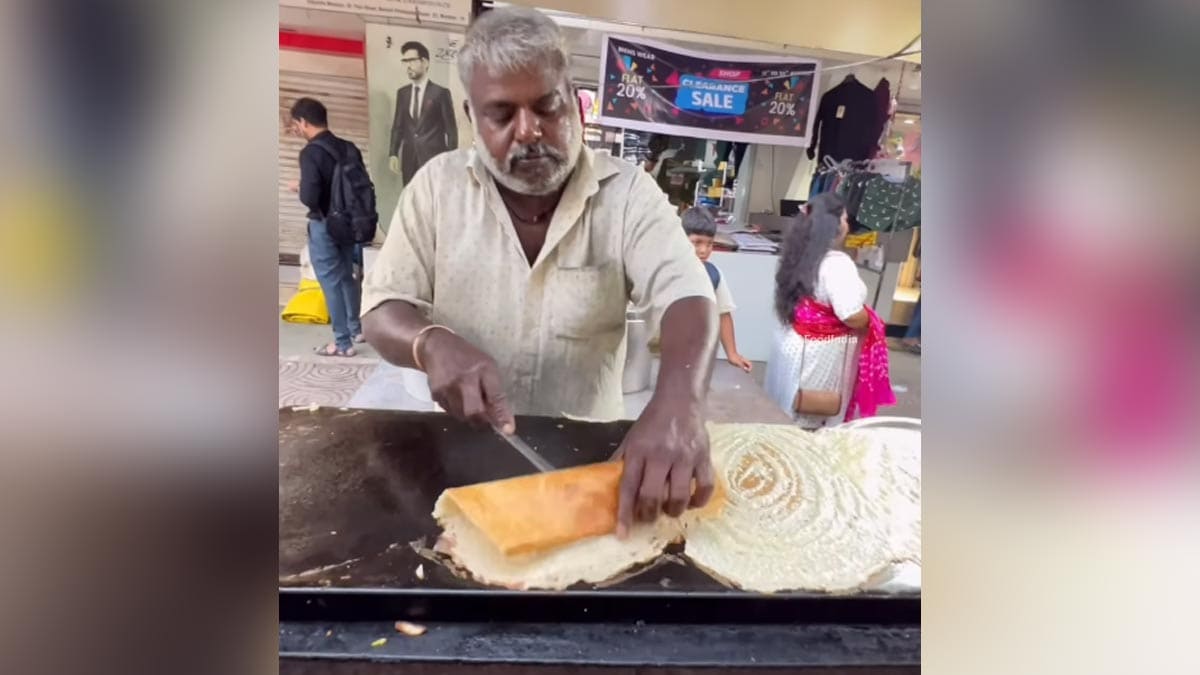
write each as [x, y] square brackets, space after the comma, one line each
[410, 629]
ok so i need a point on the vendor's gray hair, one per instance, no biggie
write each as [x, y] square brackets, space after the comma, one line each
[511, 38]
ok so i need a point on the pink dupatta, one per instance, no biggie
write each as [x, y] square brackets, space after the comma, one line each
[872, 386]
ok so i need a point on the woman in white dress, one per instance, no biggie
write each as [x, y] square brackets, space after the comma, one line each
[815, 371]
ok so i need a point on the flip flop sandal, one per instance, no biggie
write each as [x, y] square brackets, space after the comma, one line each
[323, 350]
[360, 338]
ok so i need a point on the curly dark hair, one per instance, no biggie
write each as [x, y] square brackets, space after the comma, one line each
[804, 246]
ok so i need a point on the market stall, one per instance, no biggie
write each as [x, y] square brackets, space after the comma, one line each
[363, 585]
[747, 163]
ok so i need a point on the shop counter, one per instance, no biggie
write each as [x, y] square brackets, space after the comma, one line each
[751, 279]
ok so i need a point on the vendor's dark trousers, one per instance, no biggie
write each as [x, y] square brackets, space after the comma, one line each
[333, 263]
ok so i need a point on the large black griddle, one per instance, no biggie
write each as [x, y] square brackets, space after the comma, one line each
[357, 487]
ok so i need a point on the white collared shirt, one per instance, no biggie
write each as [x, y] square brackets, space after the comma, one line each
[556, 329]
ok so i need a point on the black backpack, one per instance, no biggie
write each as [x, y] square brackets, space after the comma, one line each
[352, 217]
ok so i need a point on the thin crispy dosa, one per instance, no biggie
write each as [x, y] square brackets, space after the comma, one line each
[809, 511]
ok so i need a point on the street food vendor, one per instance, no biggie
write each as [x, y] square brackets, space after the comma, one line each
[508, 268]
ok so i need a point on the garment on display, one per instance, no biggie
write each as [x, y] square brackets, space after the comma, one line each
[875, 202]
[848, 122]
[886, 205]
[825, 180]
[831, 174]
[851, 188]
[883, 103]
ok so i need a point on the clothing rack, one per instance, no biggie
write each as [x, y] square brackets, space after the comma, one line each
[874, 165]
[844, 166]
[892, 169]
[886, 166]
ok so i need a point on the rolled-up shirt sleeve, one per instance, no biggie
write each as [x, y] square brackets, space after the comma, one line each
[404, 269]
[660, 263]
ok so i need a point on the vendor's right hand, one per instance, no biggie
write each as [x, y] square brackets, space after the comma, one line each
[394, 164]
[465, 382]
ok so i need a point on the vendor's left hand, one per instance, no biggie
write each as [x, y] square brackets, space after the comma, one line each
[664, 451]
[293, 185]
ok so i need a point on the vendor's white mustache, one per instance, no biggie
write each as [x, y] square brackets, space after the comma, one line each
[535, 151]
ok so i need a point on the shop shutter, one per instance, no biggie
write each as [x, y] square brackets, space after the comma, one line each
[346, 100]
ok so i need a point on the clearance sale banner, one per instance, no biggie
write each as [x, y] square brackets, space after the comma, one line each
[654, 87]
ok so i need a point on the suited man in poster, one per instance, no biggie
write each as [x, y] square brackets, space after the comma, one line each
[424, 124]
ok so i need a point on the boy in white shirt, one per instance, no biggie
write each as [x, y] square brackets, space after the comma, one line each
[701, 228]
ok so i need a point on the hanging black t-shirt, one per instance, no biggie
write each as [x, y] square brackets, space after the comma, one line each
[847, 124]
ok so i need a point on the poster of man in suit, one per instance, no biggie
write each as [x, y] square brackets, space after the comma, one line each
[423, 125]
[415, 105]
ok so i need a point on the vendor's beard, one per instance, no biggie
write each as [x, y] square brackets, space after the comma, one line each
[546, 184]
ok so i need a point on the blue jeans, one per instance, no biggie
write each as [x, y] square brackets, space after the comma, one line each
[914, 326]
[333, 263]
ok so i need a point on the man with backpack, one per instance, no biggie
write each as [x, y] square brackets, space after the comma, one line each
[335, 187]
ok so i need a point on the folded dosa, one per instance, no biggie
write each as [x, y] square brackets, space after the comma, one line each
[541, 511]
[589, 560]
[551, 530]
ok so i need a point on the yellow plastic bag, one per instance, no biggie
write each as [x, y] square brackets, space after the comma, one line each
[862, 240]
[307, 305]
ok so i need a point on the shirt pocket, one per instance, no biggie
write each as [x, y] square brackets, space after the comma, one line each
[588, 302]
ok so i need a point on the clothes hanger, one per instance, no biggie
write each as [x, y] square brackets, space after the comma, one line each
[851, 79]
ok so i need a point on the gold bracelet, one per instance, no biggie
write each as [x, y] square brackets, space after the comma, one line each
[417, 339]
